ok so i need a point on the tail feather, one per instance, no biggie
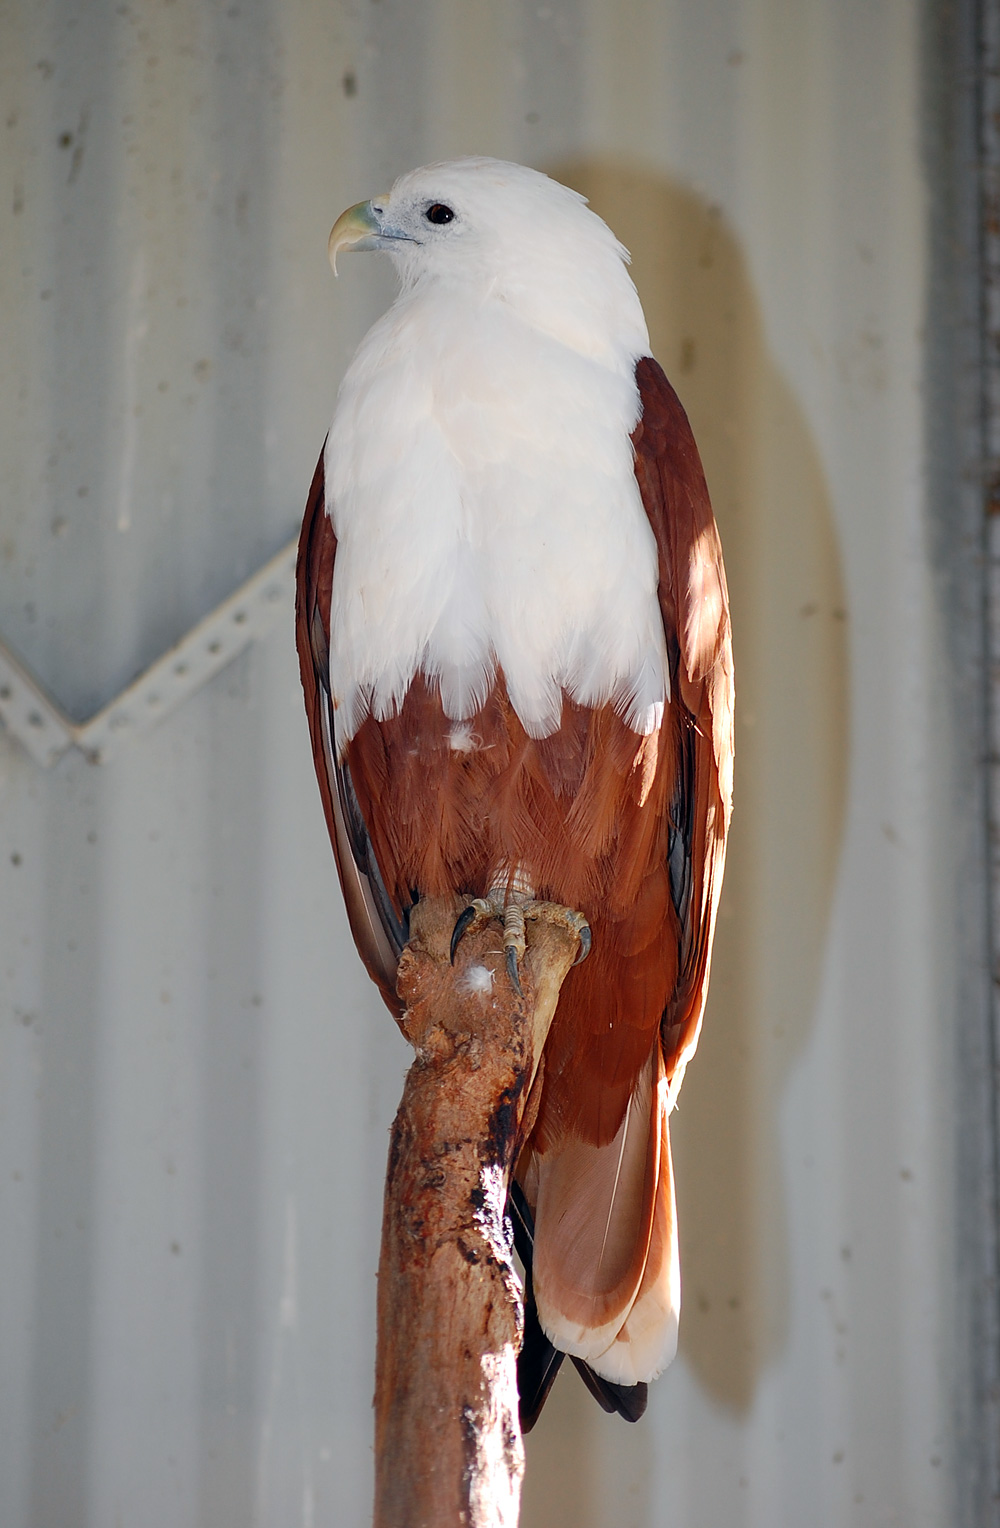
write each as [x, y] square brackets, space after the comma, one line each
[647, 1341]
[606, 1269]
[539, 1361]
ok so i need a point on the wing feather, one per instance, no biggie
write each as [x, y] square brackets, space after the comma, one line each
[378, 929]
[694, 601]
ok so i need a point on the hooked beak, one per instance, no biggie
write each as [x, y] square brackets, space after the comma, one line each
[361, 227]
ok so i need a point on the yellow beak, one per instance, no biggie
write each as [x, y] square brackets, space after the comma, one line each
[357, 228]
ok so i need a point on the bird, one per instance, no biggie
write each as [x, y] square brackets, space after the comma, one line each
[516, 653]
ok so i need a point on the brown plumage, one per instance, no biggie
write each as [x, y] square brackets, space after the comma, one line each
[629, 830]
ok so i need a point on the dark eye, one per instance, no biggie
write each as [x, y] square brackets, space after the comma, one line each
[439, 213]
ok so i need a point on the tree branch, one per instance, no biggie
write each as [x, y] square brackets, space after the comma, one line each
[448, 1450]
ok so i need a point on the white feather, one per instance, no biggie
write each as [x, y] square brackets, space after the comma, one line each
[477, 979]
[479, 468]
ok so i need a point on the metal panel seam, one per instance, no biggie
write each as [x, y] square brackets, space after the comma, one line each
[46, 732]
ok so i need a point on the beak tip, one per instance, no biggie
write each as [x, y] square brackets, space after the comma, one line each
[357, 228]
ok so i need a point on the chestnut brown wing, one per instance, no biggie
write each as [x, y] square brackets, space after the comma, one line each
[694, 601]
[378, 928]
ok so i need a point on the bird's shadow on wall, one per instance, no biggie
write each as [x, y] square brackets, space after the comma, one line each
[790, 639]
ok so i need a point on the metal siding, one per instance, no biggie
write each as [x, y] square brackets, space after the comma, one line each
[196, 1078]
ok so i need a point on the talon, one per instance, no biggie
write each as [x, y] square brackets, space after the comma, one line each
[586, 942]
[461, 926]
[513, 942]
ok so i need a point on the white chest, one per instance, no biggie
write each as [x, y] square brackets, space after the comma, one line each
[480, 480]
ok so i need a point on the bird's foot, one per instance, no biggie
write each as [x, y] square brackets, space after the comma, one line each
[479, 912]
[514, 915]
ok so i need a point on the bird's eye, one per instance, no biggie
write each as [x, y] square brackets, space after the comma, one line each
[439, 213]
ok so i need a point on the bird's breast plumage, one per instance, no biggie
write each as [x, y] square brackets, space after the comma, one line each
[481, 486]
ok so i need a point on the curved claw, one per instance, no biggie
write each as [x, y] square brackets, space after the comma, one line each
[586, 942]
[461, 925]
[510, 960]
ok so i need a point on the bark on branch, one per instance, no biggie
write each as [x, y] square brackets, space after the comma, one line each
[448, 1451]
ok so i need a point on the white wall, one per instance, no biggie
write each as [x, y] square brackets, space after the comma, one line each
[196, 1078]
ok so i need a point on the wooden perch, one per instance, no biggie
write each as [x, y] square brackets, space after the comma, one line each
[448, 1451]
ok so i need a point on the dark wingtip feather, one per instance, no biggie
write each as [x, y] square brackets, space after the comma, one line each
[538, 1363]
[629, 1401]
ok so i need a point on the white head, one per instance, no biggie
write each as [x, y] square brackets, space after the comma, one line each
[501, 231]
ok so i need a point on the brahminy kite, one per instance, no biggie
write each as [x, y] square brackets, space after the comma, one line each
[513, 627]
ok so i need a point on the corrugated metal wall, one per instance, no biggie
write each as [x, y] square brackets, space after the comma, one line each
[196, 1079]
